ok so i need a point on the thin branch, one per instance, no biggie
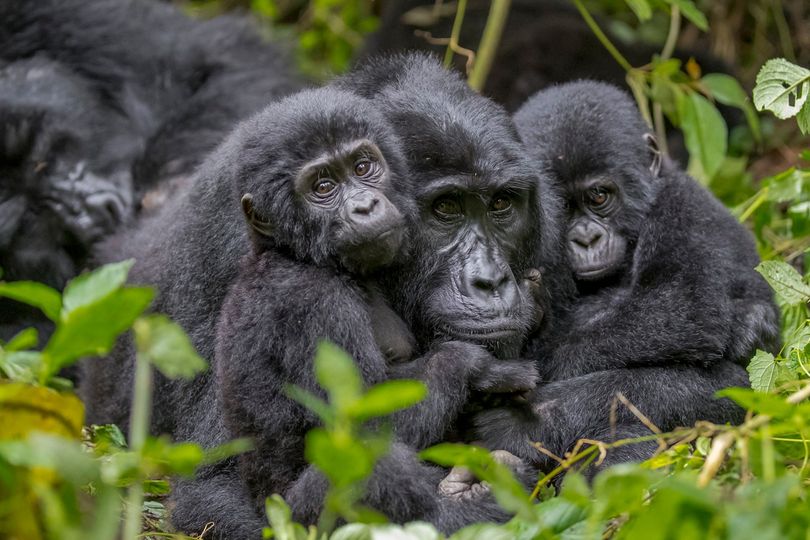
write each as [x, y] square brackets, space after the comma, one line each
[498, 13]
[603, 39]
[456, 32]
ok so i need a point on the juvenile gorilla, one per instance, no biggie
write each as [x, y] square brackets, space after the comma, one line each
[324, 216]
[669, 304]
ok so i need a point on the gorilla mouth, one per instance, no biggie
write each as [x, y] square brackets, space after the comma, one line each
[493, 332]
[593, 272]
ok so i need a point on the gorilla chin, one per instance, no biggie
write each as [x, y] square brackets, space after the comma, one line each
[600, 261]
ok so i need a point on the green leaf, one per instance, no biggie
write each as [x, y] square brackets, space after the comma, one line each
[507, 490]
[641, 8]
[341, 458]
[803, 118]
[691, 12]
[42, 297]
[311, 402]
[21, 366]
[91, 287]
[758, 401]
[763, 371]
[781, 88]
[336, 372]
[26, 339]
[727, 90]
[705, 133]
[91, 330]
[386, 398]
[786, 281]
[620, 489]
[280, 518]
[166, 346]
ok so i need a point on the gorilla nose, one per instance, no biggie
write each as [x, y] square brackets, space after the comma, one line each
[490, 282]
[364, 205]
[106, 209]
[585, 236]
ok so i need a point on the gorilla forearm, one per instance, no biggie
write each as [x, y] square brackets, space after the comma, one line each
[561, 413]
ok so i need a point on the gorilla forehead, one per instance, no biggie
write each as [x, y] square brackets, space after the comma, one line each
[291, 132]
[585, 129]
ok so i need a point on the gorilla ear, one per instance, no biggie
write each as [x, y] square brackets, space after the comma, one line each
[655, 153]
[262, 227]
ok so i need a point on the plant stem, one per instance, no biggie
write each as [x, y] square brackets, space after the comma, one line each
[138, 428]
[603, 39]
[498, 12]
[457, 22]
[660, 128]
[672, 36]
[783, 30]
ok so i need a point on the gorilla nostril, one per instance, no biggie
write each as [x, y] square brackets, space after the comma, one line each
[107, 209]
[366, 207]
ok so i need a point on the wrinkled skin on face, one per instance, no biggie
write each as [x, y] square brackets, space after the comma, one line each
[64, 171]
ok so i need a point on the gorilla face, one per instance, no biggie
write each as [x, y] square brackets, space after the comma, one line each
[596, 246]
[64, 171]
[329, 182]
[478, 215]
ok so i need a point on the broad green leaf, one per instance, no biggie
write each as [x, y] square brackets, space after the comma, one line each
[786, 186]
[727, 90]
[226, 450]
[166, 346]
[388, 397]
[691, 12]
[341, 458]
[781, 88]
[763, 371]
[42, 297]
[56, 453]
[91, 330]
[336, 372]
[26, 339]
[705, 133]
[759, 402]
[786, 281]
[641, 8]
[92, 286]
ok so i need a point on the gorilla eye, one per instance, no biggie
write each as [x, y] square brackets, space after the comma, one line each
[501, 203]
[598, 196]
[446, 207]
[323, 186]
[363, 167]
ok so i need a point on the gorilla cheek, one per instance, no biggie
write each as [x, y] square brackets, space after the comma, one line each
[11, 212]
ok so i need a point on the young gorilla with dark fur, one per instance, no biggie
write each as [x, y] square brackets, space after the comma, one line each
[669, 303]
[324, 217]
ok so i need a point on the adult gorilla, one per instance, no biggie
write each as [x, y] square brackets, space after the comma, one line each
[478, 223]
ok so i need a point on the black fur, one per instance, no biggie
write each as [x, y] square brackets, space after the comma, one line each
[676, 320]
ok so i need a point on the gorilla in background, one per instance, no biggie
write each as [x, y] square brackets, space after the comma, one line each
[669, 307]
[65, 180]
[93, 91]
[461, 290]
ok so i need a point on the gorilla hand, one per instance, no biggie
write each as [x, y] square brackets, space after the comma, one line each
[461, 483]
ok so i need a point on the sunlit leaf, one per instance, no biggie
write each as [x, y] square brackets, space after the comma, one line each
[165, 345]
[91, 330]
[337, 373]
[92, 286]
[785, 280]
[25, 409]
[781, 88]
[388, 397]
